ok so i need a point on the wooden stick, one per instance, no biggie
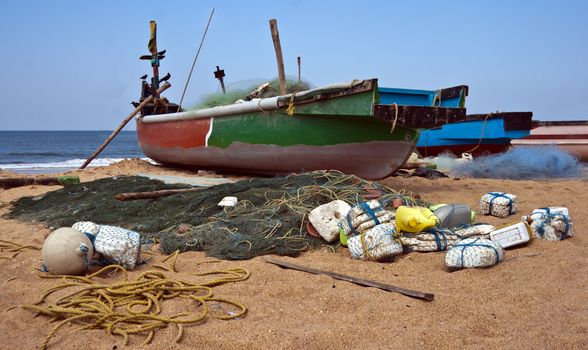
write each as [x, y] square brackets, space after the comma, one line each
[276, 38]
[359, 281]
[129, 196]
[124, 122]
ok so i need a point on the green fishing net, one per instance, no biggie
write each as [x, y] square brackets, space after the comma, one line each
[270, 217]
[240, 93]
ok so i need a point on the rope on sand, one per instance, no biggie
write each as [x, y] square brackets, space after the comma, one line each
[126, 307]
[13, 247]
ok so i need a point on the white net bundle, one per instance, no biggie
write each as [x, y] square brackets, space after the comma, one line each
[441, 239]
[551, 224]
[473, 252]
[499, 204]
[377, 244]
[115, 244]
[364, 216]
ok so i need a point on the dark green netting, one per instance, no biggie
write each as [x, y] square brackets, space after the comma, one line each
[270, 217]
[219, 99]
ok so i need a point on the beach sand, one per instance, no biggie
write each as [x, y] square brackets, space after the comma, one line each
[537, 298]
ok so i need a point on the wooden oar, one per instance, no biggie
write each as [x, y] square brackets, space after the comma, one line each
[359, 281]
[124, 122]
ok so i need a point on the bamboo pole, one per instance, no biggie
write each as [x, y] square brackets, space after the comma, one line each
[359, 281]
[124, 122]
[276, 38]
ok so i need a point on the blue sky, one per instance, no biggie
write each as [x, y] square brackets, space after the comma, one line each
[73, 65]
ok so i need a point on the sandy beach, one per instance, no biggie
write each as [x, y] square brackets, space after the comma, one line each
[535, 299]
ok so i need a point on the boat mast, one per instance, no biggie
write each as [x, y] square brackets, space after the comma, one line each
[154, 58]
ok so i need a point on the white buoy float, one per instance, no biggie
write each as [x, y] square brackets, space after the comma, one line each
[67, 252]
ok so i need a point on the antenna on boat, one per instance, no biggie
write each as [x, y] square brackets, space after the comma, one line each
[196, 58]
[298, 68]
[220, 74]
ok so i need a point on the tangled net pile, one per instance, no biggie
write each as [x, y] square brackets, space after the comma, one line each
[135, 307]
[520, 163]
[270, 217]
[274, 224]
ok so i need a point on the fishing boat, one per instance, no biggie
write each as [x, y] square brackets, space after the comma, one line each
[343, 127]
[340, 127]
[570, 135]
[477, 134]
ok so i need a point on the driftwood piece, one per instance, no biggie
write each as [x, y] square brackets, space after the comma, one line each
[122, 125]
[358, 281]
[13, 182]
[129, 196]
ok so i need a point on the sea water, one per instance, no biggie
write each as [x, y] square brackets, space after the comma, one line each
[33, 152]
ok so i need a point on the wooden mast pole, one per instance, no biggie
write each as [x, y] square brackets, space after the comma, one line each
[154, 58]
[124, 122]
[276, 38]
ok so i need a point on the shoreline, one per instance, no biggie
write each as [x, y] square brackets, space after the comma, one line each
[66, 169]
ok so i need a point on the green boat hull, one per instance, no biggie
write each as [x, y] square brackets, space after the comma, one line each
[331, 129]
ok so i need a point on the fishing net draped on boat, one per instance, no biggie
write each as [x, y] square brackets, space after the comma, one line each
[269, 218]
[248, 90]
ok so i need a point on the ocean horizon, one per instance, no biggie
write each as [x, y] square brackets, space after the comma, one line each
[54, 151]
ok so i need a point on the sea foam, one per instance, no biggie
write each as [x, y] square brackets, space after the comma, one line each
[70, 164]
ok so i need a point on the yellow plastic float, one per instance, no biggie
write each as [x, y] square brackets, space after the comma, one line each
[415, 219]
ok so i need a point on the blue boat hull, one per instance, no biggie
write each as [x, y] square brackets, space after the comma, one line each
[491, 134]
[448, 97]
[480, 134]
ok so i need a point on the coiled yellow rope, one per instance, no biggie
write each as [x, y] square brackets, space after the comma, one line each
[133, 307]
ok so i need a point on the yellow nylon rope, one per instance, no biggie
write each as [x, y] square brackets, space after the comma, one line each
[364, 246]
[124, 308]
[13, 247]
[290, 109]
[395, 118]
[481, 135]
